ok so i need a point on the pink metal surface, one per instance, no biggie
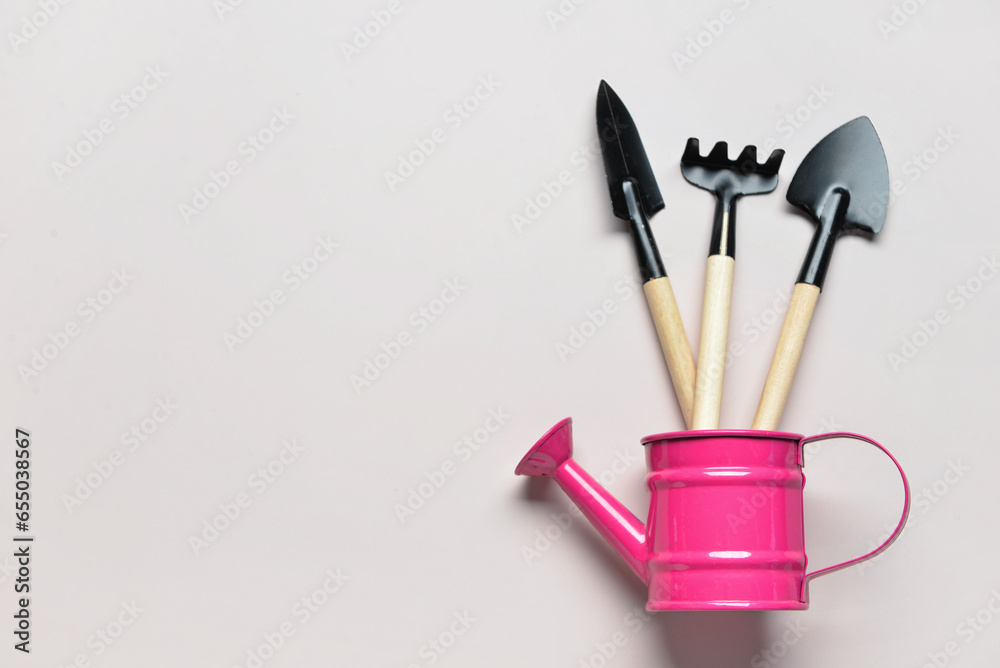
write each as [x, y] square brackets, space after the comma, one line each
[725, 523]
[888, 541]
[552, 457]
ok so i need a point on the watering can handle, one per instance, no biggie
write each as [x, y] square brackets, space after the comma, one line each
[902, 520]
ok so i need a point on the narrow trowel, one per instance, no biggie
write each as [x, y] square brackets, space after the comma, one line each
[843, 185]
[635, 197]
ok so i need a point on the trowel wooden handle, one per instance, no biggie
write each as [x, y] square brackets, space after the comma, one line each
[673, 341]
[714, 335]
[786, 357]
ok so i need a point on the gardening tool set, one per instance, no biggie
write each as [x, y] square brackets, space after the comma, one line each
[725, 522]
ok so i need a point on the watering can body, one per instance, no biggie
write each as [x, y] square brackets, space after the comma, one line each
[725, 525]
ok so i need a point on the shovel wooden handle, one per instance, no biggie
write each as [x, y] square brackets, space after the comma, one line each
[786, 357]
[673, 341]
[714, 335]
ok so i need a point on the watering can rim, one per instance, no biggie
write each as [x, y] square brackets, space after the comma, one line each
[716, 433]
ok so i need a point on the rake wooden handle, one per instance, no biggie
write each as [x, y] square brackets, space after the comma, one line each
[673, 341]
[714, 335]
[786, 357]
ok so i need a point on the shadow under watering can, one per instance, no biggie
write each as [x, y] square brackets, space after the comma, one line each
[725, 526]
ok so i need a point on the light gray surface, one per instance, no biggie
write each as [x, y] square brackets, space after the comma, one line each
[494, 348]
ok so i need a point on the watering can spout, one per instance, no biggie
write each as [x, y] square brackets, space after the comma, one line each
[552, 456]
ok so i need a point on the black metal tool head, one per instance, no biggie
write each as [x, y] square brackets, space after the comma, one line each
[850, 161]
[624, 156]
[843, 184]
[634, 193]
[728, 180]
[718, 174]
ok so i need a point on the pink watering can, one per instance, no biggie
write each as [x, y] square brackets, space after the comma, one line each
[725, 526]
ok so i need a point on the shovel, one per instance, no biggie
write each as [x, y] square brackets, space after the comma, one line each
[635, 197]
[728, 180]
[843, 185]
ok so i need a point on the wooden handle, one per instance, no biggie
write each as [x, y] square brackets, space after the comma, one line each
[673, 341]
[786, 357]
[714, 335]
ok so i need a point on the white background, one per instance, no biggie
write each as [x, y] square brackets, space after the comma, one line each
[466, 549]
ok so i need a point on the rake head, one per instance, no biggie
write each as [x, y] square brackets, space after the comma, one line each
[733, 178]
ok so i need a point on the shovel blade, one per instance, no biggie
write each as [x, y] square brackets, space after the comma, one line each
[624, 156]
[849, 160]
